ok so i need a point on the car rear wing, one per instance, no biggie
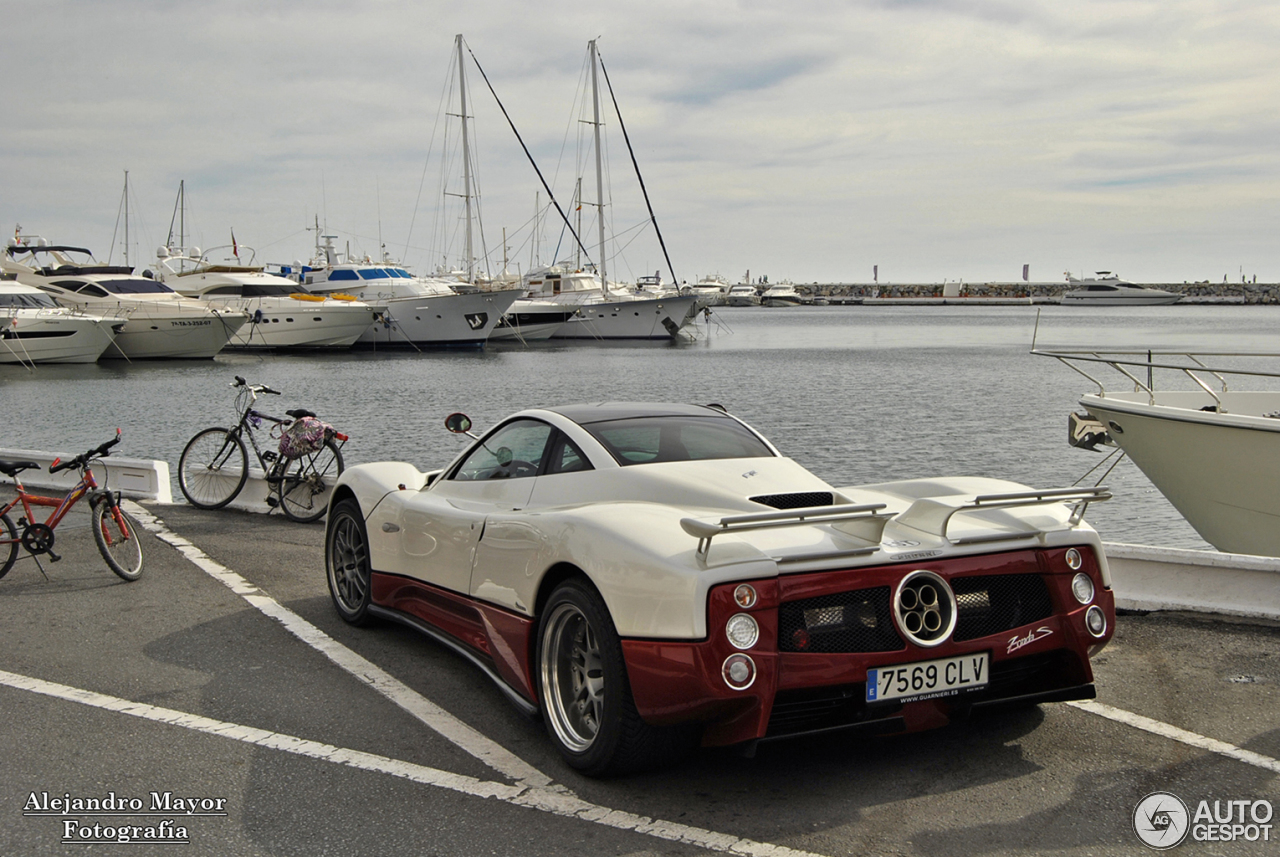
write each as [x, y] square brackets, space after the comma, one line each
[933, 514]
[706, 530]
[928, 514]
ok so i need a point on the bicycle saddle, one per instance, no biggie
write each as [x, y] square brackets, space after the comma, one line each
[13, 468]
[299, 413]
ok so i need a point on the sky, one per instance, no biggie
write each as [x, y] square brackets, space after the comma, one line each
[812, 141]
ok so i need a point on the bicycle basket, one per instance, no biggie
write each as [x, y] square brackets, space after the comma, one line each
[303, 436]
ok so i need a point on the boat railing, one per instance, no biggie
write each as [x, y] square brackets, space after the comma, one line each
[1191, 364]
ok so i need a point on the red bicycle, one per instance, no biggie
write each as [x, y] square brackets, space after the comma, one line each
[114, 531]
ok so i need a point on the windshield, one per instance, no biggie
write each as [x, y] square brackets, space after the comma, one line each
[649, 440]
[26, 300]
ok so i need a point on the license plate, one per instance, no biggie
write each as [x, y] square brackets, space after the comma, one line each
[928, 679]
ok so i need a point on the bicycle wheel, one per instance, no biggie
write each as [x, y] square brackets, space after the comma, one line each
[304, 485]
[117, 537]
[213, 468]
[8, 544]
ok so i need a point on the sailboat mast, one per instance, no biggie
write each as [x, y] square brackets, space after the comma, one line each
[126, 217]
[466, 155]
[595, 106]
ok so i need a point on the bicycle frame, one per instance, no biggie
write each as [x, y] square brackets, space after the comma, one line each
[61, 506]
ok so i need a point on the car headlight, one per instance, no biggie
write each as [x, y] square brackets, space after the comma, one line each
[1074, 561]
[739, 671]
[1082, 588]
[742, 631]
[745, 596]
[1095, 621]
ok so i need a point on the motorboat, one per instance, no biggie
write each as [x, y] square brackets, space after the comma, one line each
[282, 314]
[160, 323]
[532, 320]
[1107, 289]
[782, 294]
[604, 313]
[1213, 452]
[711, 290]
[35, 329]
[414, 312]
[743, 294]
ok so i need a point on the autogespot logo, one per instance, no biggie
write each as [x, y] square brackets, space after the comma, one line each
[1161, 820]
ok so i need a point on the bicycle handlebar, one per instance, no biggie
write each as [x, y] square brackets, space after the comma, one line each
[255, 388]
[100, 451]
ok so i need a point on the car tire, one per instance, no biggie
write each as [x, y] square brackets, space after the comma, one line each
[587, 705]
[346, 561]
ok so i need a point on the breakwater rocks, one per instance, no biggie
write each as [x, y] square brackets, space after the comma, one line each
[1192, 293]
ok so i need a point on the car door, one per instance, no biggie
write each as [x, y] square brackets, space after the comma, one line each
[437, 530]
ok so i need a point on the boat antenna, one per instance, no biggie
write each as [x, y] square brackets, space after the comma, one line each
[636, 165]
[527, 153]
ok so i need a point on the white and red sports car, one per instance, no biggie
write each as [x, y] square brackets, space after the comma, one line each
[651, 575]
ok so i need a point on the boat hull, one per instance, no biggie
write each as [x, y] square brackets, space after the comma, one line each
[296, 325]
[1221, 471]
[55, 339]
[436, 321]
[656, 318]
[181, 336]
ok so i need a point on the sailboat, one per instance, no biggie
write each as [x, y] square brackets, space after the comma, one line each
[605, 311]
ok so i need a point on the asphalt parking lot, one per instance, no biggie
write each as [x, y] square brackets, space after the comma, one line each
[223, 688]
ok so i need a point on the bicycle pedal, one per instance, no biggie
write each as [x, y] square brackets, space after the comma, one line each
[272, 502]
[53, 557]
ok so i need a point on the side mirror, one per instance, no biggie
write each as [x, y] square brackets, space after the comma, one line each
[458, 423]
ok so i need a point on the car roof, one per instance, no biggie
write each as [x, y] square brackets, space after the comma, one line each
[598, 412]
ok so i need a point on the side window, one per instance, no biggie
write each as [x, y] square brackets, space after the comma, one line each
[514, 451]
[566, 458]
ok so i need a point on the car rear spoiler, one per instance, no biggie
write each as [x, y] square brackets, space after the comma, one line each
[928, 514]
[706, 530]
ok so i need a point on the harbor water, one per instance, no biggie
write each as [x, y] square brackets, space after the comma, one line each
[857, 394]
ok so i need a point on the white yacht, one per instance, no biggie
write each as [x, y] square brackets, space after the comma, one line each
[783, 294]
[282, 314]
[712, 290]
[414, 312]
[35, 329]
[1213, 452]
[600, 313]
[160, 323]
[1107, 289]
[743, 294]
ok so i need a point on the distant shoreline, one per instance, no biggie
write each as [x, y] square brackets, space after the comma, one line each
[1193, 293]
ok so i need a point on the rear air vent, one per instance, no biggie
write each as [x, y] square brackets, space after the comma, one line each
[795, 501]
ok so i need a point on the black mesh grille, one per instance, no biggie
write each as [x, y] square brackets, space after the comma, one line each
[795, 501]
[990, 604]
[810, 709]
[857, 621]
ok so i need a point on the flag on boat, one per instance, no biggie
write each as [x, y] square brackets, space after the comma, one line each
[235, 249]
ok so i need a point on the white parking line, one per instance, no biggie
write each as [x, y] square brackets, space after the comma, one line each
[1192, 739]
[532, 797]
[433, 716]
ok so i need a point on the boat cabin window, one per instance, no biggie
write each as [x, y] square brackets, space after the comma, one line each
[401, 273]
[373, 274]
[89, 289]
[222, 292]
[341, 274]
[135, 286]
[513, 451]
[270, 290]
[27, 300]
[651, 440]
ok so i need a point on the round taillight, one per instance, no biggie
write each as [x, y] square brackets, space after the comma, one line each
[745, 596]
[739, 671]
[1073, 560]
[1095, 621]
[800, 639]
[742, 631]
[1082, 588]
